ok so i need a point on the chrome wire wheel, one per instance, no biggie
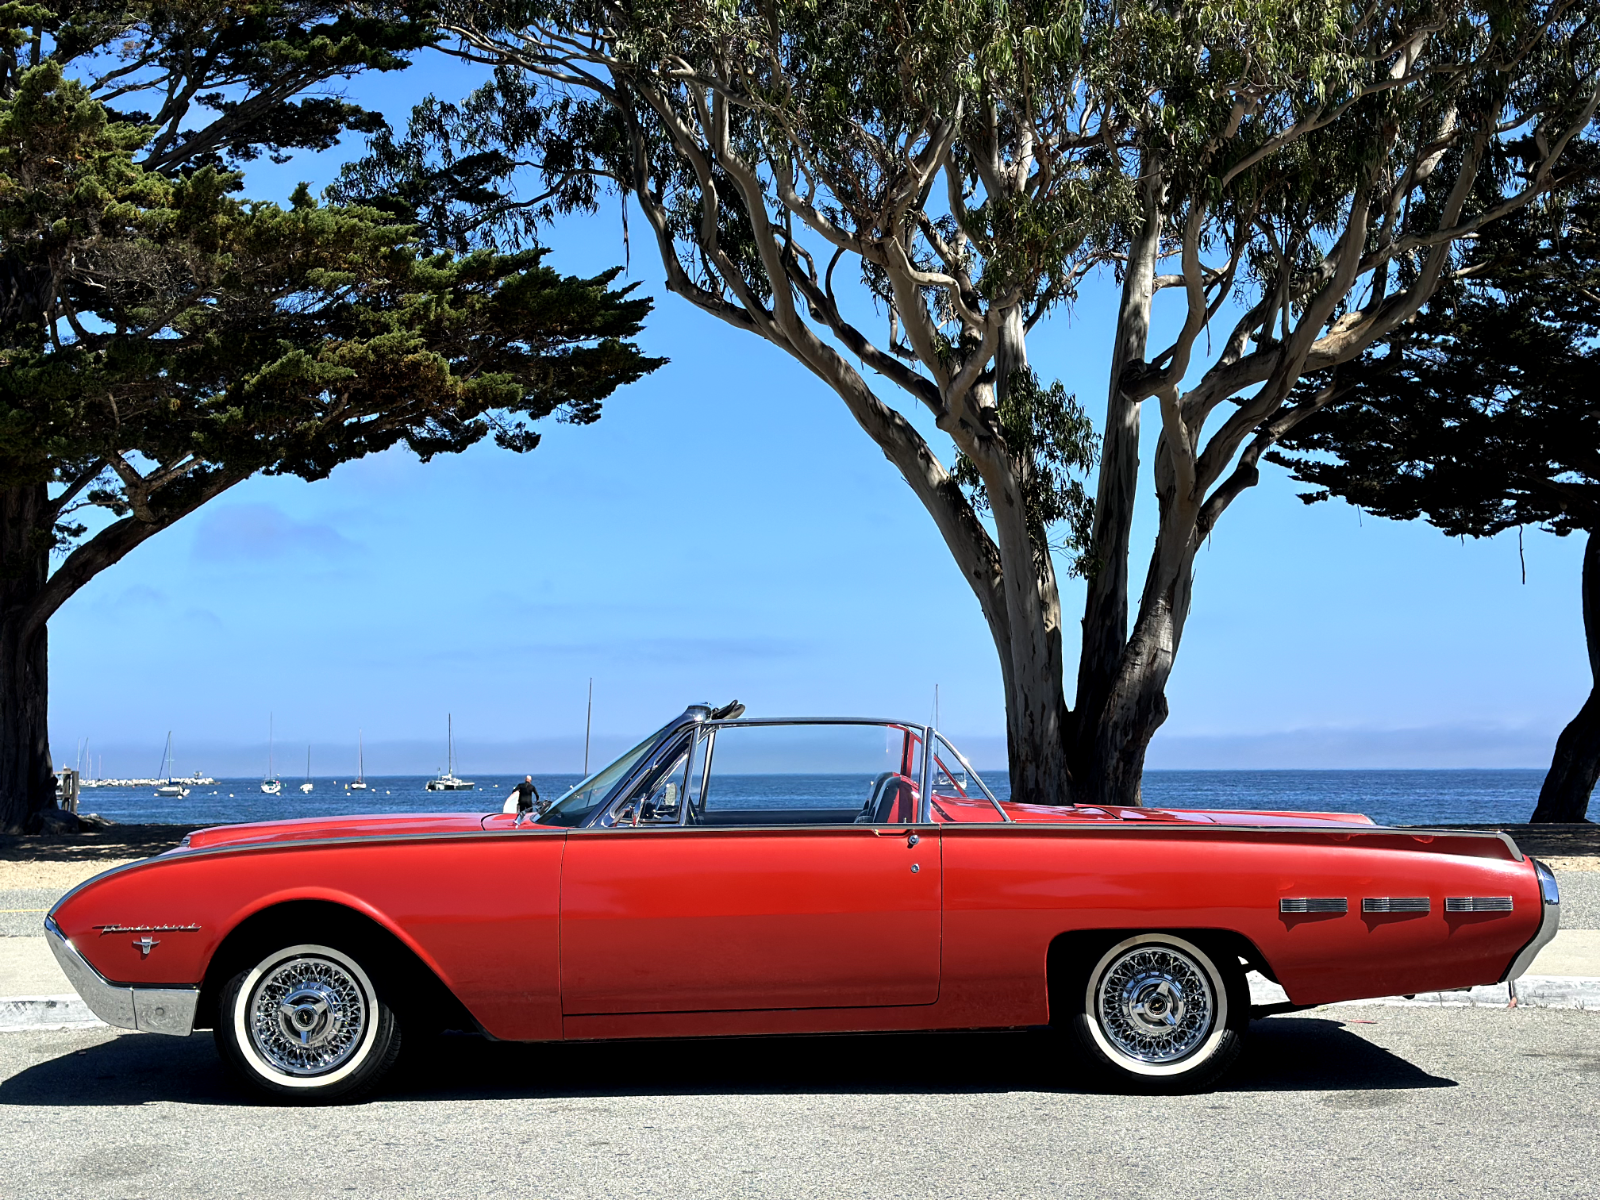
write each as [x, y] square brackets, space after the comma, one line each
[306, 1017]
[1156, 1009]
[1155, 1004]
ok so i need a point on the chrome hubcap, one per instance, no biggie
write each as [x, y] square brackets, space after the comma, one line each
[1155, 1004]
[307, 1015]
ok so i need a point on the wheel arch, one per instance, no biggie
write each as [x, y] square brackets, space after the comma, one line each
[1072, 953]
[405, 973]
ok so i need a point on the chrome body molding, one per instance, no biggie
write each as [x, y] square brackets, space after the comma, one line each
[1396, 904]
[149, 1009]
[1551, 894]
[1313, 904]
[1477, 904]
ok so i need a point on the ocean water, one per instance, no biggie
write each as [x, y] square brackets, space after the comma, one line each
[1388, 797]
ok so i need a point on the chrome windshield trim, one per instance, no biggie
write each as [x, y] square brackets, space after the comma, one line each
[899, 724]
[1005, 817]
[915, 728]
[166, 1010]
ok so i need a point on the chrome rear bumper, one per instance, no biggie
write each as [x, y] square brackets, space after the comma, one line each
[1551, 921]
[151, 1010]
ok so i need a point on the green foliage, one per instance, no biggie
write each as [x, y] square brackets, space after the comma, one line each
[1047, 429]
[162, 338]
[1483, 414]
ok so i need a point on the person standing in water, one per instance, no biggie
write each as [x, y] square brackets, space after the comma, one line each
[523, 797]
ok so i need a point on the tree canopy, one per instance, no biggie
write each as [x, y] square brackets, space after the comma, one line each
[164, 338]
[897, 195]
[1482, 415]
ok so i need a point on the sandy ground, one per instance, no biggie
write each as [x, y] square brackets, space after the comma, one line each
[1558, 863]
[63, 875]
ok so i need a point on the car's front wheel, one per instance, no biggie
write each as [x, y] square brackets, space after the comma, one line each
[1158, 1013]
[306, 1024]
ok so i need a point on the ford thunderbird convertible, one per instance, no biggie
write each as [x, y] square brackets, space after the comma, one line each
[729, 876]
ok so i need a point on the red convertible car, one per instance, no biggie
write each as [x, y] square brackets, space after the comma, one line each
[738, 877]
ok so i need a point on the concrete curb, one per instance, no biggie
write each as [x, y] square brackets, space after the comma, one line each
[1531, 991]
[19, 1013]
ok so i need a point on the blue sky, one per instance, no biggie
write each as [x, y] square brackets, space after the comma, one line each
[727, 531]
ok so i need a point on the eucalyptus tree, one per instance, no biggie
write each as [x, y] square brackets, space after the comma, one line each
[1481, 416]
[162, 339]
[896, 194]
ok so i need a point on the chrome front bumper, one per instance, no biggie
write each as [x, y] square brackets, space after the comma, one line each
[151, 1010]
[1551, 895]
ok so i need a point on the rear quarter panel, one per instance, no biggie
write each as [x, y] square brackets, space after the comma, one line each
[1010, 890]
[480, 911]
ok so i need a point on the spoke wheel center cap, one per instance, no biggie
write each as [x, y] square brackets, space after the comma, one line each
[1154, 1001]
[310, 1014]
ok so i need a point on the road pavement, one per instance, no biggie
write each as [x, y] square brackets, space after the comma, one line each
[1391, 1103]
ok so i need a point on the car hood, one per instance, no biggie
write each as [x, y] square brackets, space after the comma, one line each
[325, 828]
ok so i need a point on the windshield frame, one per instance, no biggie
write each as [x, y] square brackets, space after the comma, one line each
[629, 762]
[939, 739]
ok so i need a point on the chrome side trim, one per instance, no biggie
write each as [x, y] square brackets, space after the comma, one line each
[1396, 904]
[152, 1010]
[1015, 828]
[1313, 904]
[1477, 904]
[1548, 924]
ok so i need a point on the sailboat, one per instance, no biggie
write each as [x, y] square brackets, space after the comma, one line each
[171, 789]
[447, 782]
[306, 786]
[360, 783]
[270, 783]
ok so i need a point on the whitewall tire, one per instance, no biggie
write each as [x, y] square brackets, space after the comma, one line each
[306, 1024]
[1159, 1013]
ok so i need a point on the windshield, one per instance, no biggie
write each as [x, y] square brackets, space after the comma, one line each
[574, 808]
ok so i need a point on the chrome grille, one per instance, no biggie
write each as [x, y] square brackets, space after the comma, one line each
[1313, 904]
[1477, 904]
[1396, 904]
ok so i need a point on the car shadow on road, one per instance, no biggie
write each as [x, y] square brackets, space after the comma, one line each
[1283, 1054]
[1321, 1054]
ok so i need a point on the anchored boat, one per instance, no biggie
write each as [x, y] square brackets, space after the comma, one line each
[447, 781]
[171, 789]
[270, 783]
[360, 782]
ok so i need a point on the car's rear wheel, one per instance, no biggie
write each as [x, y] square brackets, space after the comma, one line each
[306, 1024]
[1158, 1013]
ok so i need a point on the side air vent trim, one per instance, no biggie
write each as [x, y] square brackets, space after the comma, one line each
[1396, 904]
[1477, 904]
[1313, 904]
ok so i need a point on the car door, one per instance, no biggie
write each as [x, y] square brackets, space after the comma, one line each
[786, 903]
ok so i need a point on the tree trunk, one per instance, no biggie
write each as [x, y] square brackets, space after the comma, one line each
[27, 780]
[1576, 765]
[29, 597]
[1036, 698]
[1137, 705]
[1105, 609]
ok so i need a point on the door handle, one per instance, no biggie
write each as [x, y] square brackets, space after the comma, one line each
[911, 836]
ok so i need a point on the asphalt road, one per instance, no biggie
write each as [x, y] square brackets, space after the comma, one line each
[1418, 1102]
